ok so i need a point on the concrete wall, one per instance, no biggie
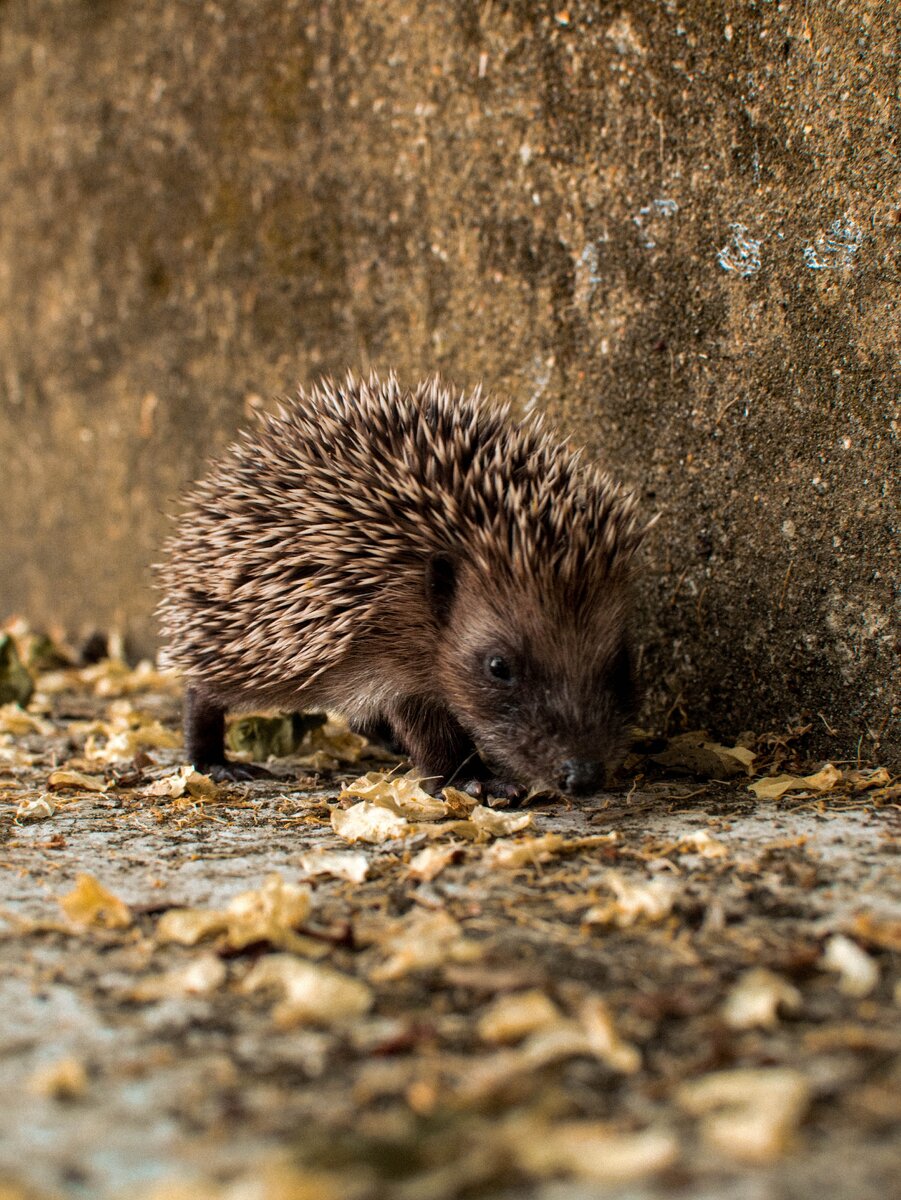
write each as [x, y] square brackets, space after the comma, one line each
[674, 225]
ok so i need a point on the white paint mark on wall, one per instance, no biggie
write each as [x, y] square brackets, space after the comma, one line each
[741, 253]
[836, 249]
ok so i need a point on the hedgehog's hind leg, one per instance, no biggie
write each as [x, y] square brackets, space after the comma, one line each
[379, 732]
[436, 743]
[204, 725]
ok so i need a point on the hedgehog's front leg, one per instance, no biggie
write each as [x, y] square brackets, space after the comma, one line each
[438, 746]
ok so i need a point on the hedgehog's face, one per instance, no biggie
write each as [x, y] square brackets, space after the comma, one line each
[548, 695]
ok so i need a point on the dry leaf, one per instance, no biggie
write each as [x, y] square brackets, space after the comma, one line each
[199, 977]
[704, 843]
[756, 999]
[644, 900]
[403, 795]
[511, 1018]
[312, 993]
[605, 1042]
[858, 973]
[751, 1115]
[343, 864]
[592, 1150]
[15, 721]
[423, 941]
[430, 862]
[270, 914]
[89, 903]
[696, 753]
[185, 781]
[38, 808]
[63, 778]
[65, 1079]
[524, 852]
[774, 786]
[368, 822]
[499, 824]
[334, 744]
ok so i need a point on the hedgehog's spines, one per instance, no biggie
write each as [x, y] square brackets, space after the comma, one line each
[330, 501]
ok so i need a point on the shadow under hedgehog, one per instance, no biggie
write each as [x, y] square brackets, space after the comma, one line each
[421, 563]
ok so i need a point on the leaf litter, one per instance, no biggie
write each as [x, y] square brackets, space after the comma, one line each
[496, 998]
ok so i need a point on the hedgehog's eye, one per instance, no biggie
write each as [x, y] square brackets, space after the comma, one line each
[498, 668]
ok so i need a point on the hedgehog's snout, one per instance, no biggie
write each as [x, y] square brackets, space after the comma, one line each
[581, 777]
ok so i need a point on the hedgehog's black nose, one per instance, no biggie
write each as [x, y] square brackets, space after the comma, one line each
[581, 778]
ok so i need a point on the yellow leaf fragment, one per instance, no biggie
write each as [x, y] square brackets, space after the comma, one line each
[498, 823]
[128, 732]
[525, 852]
[704, 843]
[459, 804]
[65, 1079]
[199, 977]
[38, 808]
[421, 942]
[270, 913]
[592, 1150]
[312, 993]
[633, 901]
[89, 903]
[184, 781]
[858, 972]
[64, 778]
[15, 721]
[188, 926]
[695, 752]
[330, 745]
[756, 999]
[749, 1114]
[511, 1018]
[603, 1038]
[368, 822]
[592, 1036]
[403, 795]
[774, 786]
[430, 862]
[342, 864]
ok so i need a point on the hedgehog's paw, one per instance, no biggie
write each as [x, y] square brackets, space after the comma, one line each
[235, 772]
[497, 793]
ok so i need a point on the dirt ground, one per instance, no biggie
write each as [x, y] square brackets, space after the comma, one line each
[677, 988]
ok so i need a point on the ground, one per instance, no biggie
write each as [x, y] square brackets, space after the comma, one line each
[680, 987]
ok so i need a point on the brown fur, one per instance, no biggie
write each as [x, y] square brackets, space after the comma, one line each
[372, 550]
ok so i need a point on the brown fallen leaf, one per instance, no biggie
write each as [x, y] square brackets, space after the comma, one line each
[270, 913]
[312, 993]
[749, 1114]
[65, 1079]
[430, 862]
[772, 787]
[511, 1018]
[63, 778]
[369, 822]
[422, 941]
[402, 795]
[757, 998]
[89, 903]
[591, 1150]
[633, 901]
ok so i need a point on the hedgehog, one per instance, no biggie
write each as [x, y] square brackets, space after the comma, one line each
[422, 563]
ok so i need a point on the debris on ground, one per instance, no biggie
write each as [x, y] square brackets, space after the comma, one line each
[332, 983]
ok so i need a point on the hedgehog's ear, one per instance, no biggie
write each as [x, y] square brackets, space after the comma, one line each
[441, 585]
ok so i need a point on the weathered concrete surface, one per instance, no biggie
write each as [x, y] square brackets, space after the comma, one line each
[411, 1099]
[674, 225]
